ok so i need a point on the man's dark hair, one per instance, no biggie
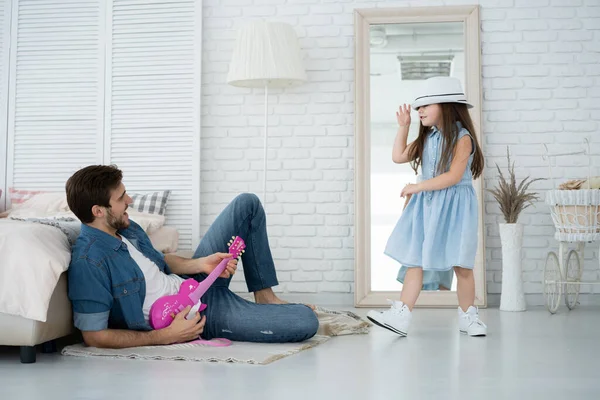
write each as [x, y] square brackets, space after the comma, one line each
[91, 186]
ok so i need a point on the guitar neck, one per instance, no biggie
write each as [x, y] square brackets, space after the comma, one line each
[210, 279]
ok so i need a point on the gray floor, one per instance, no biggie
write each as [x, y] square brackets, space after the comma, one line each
[531, 355]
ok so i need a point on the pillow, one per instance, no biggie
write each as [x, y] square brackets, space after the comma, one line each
[151, 203]
[18, 197]
[148, 222]
[39, 205]
[45, 202]
[165, 239]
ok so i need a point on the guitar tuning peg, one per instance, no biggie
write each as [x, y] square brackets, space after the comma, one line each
[233, 237]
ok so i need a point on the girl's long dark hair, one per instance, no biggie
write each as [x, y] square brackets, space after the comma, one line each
[451, 114]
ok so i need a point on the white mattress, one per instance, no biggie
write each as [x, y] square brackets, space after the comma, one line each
[32, 259]
[19, 331]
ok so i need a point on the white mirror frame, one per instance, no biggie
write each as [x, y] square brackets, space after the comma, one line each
[363, 18]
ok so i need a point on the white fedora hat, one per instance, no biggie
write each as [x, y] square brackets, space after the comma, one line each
[441, 89]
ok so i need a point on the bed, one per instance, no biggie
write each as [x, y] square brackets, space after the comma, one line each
[34, 258]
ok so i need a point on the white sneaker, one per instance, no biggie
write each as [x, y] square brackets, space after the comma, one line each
[469, 322]
[396, 319]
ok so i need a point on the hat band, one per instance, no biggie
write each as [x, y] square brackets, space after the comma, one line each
[440, 95]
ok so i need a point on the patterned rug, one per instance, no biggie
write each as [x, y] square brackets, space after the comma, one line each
[331, 323]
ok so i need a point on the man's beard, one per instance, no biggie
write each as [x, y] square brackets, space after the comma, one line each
[116, 223]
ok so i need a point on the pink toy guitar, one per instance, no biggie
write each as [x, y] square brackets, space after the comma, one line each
[164, 309]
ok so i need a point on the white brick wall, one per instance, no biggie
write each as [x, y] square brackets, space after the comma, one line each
[541, 82]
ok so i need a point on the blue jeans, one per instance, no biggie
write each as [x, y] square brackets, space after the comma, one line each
[232, 317]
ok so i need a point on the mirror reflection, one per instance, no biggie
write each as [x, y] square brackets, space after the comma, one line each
[401, 57]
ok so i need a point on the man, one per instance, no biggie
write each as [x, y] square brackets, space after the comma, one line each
[115, 274]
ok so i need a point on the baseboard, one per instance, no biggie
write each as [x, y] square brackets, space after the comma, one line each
[347, 299]
[537, 299]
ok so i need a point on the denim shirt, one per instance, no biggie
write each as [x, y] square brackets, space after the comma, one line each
[433, 151]
[106, 286]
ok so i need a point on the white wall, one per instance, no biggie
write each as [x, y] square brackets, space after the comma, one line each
[541, 80]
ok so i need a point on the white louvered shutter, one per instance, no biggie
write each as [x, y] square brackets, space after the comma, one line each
[56, 106]
[152, 118]
[4, 62]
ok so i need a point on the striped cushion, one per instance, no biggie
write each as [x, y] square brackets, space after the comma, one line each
[151, 203]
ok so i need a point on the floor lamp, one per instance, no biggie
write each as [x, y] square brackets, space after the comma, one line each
[266, 54]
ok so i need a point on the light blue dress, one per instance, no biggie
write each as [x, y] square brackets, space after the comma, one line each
[438, 229]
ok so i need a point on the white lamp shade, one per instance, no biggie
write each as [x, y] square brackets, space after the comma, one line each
[266, 54]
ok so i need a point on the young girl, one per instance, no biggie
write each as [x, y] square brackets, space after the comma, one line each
[437, 232]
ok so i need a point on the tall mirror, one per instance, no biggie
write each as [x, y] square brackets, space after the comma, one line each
[396, 50]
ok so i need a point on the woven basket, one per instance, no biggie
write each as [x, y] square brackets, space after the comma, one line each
[575, 213]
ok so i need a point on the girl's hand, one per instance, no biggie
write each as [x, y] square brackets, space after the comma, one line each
[403, 115]
[411, 188]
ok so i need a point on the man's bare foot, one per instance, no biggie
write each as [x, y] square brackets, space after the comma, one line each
[266, 296]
